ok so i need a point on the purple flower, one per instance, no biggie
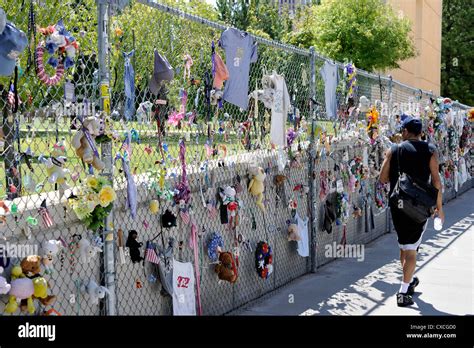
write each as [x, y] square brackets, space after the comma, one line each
[51, 47]
[53, 62]
[68, 63]
[290, 136]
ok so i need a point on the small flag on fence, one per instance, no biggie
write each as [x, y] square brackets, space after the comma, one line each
[185, 216]
[150, 254]
[45, 215]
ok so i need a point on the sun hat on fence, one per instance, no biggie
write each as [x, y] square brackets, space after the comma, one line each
[12, 42]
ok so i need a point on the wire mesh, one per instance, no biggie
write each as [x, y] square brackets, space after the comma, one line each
[219, 149]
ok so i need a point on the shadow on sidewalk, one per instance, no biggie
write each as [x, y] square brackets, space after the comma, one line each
[348, 287]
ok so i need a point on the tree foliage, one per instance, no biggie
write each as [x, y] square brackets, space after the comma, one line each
[457, 72]
[368, 32]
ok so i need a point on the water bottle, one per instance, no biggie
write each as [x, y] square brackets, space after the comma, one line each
[438, 224]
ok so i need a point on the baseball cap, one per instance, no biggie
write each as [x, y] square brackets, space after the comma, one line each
[412, 125]
[163, 71]
[12, 42]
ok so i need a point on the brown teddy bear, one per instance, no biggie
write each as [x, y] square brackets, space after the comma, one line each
[31, 268]
[83, 147]
[226, 269]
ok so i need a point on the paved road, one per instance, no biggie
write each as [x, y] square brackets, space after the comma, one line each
[348, 287]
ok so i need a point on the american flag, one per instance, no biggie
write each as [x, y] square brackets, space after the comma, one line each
[185, 216]
[44, 212]
[11, 96]
[150, 254]
[212, 211]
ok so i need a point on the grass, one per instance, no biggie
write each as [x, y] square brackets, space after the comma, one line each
[45, 136]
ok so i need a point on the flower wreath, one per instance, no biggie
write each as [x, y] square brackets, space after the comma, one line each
[58, 40]
[215, 242]
[264, 260]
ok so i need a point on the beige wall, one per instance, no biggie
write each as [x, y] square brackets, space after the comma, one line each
[423, 71]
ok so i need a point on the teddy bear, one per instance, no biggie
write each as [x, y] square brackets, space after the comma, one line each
[293, 234]
[31, 268]
[94, 291]
[226, 269]
[256, 186]
[50, 249]
[55, 166]
[90, 129]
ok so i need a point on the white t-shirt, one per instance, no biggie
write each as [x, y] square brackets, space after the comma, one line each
[184, 299]
[303, 244]
[280, 107]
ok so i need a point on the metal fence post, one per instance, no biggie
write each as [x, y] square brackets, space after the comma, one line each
[106, 147]
[311, 176]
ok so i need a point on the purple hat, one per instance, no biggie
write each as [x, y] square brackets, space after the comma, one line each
[163, 71]
[12, 42]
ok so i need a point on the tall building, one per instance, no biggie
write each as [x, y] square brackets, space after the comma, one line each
[291, 5]
[424, 70]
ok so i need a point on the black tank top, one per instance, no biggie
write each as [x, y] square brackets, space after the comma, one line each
[415, 158]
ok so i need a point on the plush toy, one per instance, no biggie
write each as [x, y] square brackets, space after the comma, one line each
[95, 291]
[50, 249]
[21, 288]
[87, 251]
[134, 246]
[55, 166]
[83, 142]
[293, 234]
[257, 187]
[226, 269]
[31, 268]
[4, 286]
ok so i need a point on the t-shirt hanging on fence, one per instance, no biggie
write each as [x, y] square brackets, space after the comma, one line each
[281, 105]
[240, 51]
[184, 299]
[303, 244]
[330, 77]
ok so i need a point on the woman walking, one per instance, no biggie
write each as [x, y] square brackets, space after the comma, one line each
[419, 160]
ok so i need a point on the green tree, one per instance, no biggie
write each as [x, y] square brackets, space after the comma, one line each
[368, 32]
[457, 56]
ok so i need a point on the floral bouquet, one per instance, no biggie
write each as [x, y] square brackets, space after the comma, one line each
[93, 202]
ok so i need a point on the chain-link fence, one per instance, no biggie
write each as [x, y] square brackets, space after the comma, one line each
[223, 145]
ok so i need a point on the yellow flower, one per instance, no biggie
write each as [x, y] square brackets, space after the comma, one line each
[106, 196]
[92, 182]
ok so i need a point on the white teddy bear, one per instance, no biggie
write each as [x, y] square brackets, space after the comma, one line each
[50, 249]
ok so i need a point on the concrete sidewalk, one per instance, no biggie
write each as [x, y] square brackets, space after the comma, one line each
[348, 287]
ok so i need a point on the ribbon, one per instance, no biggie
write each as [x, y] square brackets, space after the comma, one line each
[194, 237]
[90, 141]
[129, 81]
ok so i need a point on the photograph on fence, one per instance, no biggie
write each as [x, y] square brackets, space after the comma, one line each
[158, 161]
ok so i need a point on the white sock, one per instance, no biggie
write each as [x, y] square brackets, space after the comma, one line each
[404, 288]
[411, 280]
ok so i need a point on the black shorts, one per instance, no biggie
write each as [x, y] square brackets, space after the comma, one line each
[408, 231]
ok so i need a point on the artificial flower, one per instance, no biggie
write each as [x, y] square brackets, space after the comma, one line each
[92, 182]
[106, 196]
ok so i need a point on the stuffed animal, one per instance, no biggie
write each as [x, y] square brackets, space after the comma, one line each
[31, 268]
[95, 291]
[257, 186]
[87, 251]
[55, 165]
[293, 234]
[50, 249]
[134, 246]
[226, 269]
[4, 286]
[82, 140]
[21, 288]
